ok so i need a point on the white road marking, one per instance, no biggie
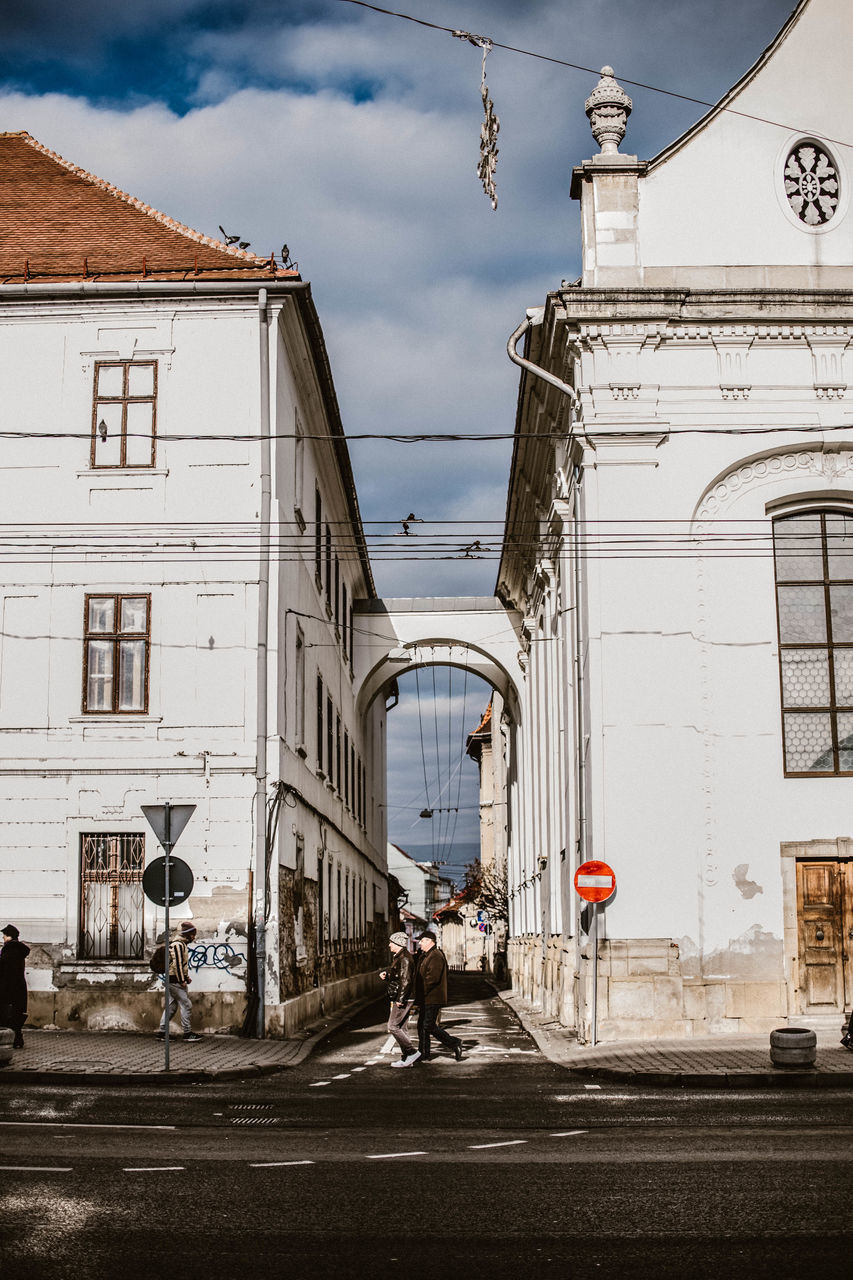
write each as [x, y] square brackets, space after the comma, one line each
[159, 1168]
[345, 1076]
[359, 1069]
[592, 1086]
[570, 1134]
[279, 1164]
[34, 1168]
[319, 1084]
[396, 1155]
[389, 1045]
[486, 1146]
[73, 1124]
[491, 1048]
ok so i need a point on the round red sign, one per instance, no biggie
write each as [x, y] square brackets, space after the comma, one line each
[595, 881]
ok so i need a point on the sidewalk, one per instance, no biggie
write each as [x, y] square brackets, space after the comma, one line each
[723, 1061]
[121, 1058]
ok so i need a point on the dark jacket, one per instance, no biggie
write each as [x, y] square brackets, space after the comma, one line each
[431, 981]
[401, 978]
[13, 979]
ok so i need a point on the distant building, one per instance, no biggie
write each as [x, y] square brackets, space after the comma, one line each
[685, 453]
[182, 550]
[421, 881]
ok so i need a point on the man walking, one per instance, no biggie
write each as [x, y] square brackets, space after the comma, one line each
[400, 980]
[431, 997]
[179, 980]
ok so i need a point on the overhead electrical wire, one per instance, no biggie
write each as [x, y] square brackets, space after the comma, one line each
[428, 437]
[575, 66]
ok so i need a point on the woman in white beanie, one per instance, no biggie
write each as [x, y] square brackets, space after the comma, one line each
[400, 981]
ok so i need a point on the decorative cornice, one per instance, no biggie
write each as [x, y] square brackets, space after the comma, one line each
[829, 464]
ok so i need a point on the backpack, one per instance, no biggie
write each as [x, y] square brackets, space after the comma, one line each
[157, 963]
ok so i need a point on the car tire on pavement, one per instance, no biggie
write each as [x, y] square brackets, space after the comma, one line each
[793, 1047]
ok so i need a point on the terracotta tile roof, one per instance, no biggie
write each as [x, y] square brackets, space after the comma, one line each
[58, 222]
[474, 743]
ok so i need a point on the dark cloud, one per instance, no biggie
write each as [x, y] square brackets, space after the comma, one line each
[354, 138]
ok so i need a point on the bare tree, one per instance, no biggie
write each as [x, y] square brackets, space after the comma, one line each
[487, 888]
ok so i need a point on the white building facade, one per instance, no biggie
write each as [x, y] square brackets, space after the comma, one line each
[183, 553]
[685, 451]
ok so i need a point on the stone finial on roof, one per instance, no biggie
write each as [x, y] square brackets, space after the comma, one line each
[608, 108]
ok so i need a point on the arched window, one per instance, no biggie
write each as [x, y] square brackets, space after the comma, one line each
[813, 553]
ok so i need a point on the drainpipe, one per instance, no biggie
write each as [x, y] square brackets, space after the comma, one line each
[261, 904]
[535, 317]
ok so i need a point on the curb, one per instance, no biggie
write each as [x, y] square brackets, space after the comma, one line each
[782, 1077]
[299, 1050]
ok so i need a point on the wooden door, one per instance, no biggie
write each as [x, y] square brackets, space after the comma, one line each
[825, 918]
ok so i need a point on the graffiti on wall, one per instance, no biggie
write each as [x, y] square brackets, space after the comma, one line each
[215, 955]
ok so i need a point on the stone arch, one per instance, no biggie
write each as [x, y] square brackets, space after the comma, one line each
[478, 634]
[433, 652]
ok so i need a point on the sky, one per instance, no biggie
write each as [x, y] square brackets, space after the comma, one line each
[353, 137]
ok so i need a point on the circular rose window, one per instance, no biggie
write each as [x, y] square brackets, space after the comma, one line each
[811, 183]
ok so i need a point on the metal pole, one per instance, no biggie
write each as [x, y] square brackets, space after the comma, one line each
[167, 848]
[594, 936]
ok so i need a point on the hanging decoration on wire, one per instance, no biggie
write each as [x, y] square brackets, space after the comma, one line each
[491, 124]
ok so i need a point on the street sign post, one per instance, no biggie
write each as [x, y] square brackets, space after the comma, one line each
[167, 822]
[180, 881]
[595, 882]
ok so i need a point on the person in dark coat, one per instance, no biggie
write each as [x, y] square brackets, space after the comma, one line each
[13, 982]
[400, 980]
[431, 996]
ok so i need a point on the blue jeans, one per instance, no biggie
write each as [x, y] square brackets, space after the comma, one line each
[427, 1019]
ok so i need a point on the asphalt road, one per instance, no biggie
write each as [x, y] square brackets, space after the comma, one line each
[502, 1165]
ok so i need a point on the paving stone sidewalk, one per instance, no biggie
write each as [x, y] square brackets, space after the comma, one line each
[115, 1057]
[733, 1061]
[722, 1061]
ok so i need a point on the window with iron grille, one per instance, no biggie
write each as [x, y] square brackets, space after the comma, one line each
[814, 596]
[124, 413]
[111, 897]
[116, 654]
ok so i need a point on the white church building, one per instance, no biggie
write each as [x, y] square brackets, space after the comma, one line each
[685, 449]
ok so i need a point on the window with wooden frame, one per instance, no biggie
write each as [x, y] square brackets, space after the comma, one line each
[124, 413]
[116, 649]
[330, 740]
[328, 571]
[344, 638]
[111, 896]
[321, 738]
[813, 554]
[299, 726]
[338, 780]
[318, 537]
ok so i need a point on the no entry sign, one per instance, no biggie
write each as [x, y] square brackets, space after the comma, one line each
[595, 881]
